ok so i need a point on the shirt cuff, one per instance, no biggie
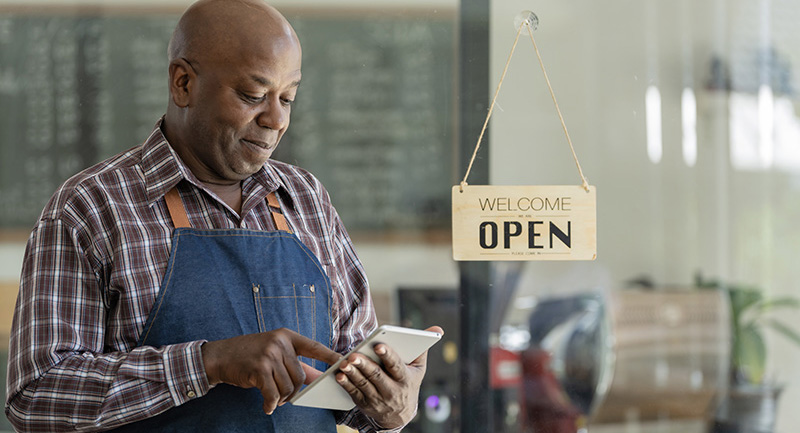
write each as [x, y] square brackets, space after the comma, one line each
[394, 430]
[185, 372]
[364, 424]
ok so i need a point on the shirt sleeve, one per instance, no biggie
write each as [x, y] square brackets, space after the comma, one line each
[355, 316]
[60, 377]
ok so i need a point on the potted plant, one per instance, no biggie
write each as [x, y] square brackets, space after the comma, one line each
[751, 401]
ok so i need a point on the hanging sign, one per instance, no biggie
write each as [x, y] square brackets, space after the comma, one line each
[524, 222]
[549, 222]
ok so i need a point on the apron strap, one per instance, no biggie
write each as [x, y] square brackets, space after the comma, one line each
[179, 218]
[277, 214]
[176, 210]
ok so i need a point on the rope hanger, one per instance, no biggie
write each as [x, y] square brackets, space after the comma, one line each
[529, 20]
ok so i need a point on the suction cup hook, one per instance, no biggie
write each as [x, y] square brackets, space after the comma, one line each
[527, 18]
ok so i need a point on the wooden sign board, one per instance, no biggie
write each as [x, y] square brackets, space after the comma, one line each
[551, 222]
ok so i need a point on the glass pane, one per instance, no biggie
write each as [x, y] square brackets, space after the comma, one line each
[684, 115]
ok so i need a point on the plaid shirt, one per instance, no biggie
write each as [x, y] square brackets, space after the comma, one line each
[93, 268]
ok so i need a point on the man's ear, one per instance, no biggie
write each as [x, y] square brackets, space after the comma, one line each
[181, 81]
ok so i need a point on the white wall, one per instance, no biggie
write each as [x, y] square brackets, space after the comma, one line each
[11, 260]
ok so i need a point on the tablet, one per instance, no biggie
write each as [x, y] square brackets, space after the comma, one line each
[324, 392]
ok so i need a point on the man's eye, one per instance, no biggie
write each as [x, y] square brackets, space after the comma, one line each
[287, 102]
[252, 99]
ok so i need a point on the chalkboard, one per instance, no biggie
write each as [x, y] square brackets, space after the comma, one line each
[374, 117]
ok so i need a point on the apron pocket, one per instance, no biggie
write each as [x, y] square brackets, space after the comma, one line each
[287, 306]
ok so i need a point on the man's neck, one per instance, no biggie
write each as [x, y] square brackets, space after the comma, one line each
[230, 194]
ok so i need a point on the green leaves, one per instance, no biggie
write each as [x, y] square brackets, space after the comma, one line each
[773, 304]
[743, 299]
[750, 353]
[784, 330]
[749, 312]
[749, 316]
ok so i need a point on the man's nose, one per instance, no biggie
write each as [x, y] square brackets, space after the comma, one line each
[273, 114]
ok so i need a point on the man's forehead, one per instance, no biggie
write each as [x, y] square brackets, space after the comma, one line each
[267, 82]
[269, 62]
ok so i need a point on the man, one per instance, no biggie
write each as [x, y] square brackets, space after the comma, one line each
[173, 287]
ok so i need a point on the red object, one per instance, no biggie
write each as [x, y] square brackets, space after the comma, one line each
[505, 370]
[545, 406]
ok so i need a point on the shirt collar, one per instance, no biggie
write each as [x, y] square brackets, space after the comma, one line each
[272, 181]
[162, 167]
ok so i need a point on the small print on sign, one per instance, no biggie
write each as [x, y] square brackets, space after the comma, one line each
[551, 222]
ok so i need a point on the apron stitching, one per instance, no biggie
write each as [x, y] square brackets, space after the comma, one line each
[314, 323]
[263, 317]
[259, 312]
[255, 305]
[296, 312]
[228, 232]
[318, 265]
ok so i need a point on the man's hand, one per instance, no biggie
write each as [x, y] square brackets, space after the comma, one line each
[388, 395]
[267, 361]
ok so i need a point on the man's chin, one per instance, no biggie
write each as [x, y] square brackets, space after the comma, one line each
[246, 170]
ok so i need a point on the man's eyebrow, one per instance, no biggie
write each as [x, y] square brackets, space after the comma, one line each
[267, 83]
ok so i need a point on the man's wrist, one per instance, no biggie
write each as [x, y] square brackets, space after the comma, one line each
[210, 364]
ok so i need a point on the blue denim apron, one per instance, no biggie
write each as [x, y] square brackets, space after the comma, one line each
[230, 282]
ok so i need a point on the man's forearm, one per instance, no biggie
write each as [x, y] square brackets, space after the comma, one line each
[87, 392]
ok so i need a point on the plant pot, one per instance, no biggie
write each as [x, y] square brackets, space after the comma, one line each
[748, 409]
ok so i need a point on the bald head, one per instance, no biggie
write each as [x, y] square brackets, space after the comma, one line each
[233, 75]
[219, 30]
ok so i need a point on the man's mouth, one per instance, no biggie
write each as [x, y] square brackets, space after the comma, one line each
[259, 144]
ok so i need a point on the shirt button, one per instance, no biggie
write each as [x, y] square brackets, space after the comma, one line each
[191, 394]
